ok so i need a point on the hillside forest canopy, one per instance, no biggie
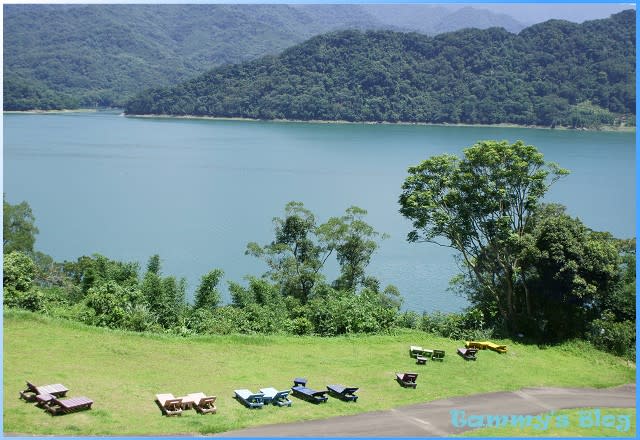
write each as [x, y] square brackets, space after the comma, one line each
[528, 268]
[555, 73]
[73, 55]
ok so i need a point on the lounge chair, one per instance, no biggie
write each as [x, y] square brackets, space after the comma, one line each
[475, 344]
[299, 381]
[56, 406]
[275, 397]
[407, 380]
[300, 390]
[496, 347]
[249, 399]
[200, 402]
[343, 393]
[55, 390]
[438, 355]
[169, 405]
[415, 350]
[486, 344]
[468, 354]
[421, 360]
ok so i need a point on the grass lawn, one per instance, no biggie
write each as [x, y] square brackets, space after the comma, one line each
[123, 371]
[618, 422]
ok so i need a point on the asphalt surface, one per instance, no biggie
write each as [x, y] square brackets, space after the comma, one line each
[440, 417]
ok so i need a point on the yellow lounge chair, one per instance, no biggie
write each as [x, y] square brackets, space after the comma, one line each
[495, 347]
[486, 344]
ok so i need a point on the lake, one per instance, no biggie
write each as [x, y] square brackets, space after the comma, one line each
[197, 191]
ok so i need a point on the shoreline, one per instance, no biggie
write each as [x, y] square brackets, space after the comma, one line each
[44, 112]
[608, 128]
[604, 128]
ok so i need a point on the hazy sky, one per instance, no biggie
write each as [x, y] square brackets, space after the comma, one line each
[525, 12]
[578, 12]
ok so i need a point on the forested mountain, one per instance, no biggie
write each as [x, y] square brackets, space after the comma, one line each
[436, 19]
[65, 56]
[100, 54]
[553, 73]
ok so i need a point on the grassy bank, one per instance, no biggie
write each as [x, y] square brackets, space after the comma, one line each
[122, 371]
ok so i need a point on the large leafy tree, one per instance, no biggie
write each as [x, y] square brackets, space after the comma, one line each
[18, 227]
[296, 255]
[574, 273]
[354, 242]
[301, 248]
[481, 205]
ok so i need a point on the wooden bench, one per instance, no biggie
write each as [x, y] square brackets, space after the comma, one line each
[57, 406]
[55, 390]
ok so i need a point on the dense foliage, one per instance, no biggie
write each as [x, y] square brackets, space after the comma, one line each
[18, 227]
[554, 73]
[530, 269]
[293, 296]
[66, 56]
[533, 271]
[482, 205]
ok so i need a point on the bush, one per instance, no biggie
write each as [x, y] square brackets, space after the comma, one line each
[299, 326]
[469, 325]
[409, 319]
[347, 312]
[228, 319]
[30, 300]
[18, 272]
[615, 337]
[76, 312]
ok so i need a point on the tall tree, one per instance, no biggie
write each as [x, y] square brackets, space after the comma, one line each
[207, 294]
[353, 240]
[296, 256]
[301, 248]
[480, 205]
[18, 227]
[573, 273]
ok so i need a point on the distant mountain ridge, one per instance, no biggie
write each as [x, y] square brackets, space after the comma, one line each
[65, 56]
[552, 73]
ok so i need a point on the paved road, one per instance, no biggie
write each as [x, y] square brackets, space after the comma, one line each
[434, 419]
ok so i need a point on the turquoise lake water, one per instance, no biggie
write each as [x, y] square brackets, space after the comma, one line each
[197, 191]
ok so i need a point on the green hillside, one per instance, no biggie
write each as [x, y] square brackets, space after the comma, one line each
[64, 56]
[553, 73]
[123, 371]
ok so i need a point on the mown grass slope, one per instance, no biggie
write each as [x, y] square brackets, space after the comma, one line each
[122, 372]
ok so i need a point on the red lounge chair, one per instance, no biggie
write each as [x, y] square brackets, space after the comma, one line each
[57, 406]
[407, 380]
[468, 354]
[55, 390]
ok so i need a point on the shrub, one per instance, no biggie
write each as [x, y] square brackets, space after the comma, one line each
[409, 319]
[299, 326]
[347, 312]
[18, 272]
[615, 337]
[468, 325]
[228, 319]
